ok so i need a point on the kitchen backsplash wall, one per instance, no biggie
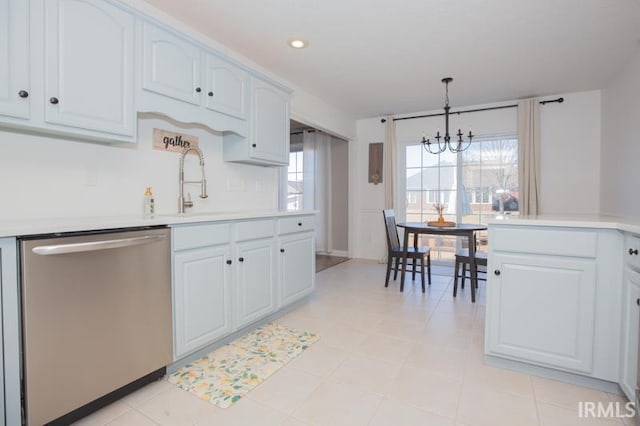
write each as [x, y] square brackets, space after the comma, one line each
[42, 176]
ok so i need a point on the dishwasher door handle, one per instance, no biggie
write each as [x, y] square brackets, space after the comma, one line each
[96, 245]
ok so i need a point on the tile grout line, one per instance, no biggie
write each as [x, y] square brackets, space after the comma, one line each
[535, 400]
[146, 417]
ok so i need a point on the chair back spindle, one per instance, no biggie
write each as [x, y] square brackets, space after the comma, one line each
[393, 241]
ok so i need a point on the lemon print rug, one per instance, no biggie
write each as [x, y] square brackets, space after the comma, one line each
[230, 372]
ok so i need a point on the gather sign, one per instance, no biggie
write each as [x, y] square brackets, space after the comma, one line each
[164, 140]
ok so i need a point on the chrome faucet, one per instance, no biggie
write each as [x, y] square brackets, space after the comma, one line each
[182, 203]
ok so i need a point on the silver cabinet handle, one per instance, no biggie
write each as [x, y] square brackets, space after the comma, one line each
[96, 245]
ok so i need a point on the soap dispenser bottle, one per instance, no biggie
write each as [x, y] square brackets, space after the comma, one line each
[149, 205]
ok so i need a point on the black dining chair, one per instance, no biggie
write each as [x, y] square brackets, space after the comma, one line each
[463, 265]
[395, 253]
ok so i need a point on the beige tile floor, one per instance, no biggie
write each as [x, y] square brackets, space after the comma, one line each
[384, 358]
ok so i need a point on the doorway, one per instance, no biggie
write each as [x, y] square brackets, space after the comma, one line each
[317, 179]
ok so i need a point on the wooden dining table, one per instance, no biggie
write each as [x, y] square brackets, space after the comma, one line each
[462, 230]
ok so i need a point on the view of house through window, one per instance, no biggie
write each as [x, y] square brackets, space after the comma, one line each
[294, 181]
[480, 182]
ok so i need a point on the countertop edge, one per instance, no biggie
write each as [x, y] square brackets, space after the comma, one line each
[613, 223]
[38, 226]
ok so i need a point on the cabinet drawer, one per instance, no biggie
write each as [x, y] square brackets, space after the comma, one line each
[552, 241]
[254, 229]
[632, 251]
[193, 236]
[288, 225]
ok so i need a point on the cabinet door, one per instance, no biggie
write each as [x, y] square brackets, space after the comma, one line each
[14, 58]
[630, 319]
[255, 289]
[226, 88]
[270, 123]
[297, 266]
[201, 296]
[541, 309]
[89, 66]
[171, 65]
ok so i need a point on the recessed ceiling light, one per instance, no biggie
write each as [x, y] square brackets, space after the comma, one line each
[298, 43]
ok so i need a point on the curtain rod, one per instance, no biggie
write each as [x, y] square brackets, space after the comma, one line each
[301, 132]
[384, 120]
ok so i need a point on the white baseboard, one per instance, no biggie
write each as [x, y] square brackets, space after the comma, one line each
[336, 253]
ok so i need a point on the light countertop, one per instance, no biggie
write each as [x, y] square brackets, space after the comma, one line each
[631, 225]
[12, 228]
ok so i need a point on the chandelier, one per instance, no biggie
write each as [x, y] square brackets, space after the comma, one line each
[437, 147]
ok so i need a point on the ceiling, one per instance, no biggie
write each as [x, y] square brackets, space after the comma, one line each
[376, 57]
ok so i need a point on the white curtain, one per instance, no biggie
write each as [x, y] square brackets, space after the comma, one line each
[529, 155]
[389, 157]
[315, 148]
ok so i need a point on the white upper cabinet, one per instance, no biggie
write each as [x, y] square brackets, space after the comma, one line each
[171, 65]
[270, 123]
[226, 88]
[176, 68]
[89, 66]
[86, 68]
[14, 58]
[268, 142]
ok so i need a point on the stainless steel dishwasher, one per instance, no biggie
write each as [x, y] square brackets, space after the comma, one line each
[96, 318]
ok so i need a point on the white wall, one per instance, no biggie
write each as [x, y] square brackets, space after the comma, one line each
[48, 177]
[339, 166]
[570, 155]
[368, 231]
[570, 162]
[318, 114]
[621, 143]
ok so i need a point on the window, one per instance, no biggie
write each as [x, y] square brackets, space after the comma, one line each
[473, 185]
[489, 179]
[294, 181]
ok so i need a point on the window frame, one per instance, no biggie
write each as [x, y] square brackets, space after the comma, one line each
[401, 177]
[298, 174]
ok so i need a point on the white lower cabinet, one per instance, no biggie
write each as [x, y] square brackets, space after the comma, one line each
[227, 275]
[630, 330]
[255, 280]
[297, 266]
[553, 299]
[10, 401]
[201, 297]
[542, 310]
